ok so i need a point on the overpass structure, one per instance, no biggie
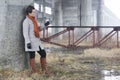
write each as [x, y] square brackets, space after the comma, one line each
[80, 16]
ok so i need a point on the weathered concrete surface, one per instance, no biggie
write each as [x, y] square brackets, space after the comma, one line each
[73, 12]
[12, 53]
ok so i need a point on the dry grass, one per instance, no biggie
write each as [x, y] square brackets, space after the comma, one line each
[70, 66]
[102, 53]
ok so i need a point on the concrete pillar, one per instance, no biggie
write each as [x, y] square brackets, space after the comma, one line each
[99, 13]
[58, 13]
[86, 12]
[53, 12]
[12, 54]
[70, 12]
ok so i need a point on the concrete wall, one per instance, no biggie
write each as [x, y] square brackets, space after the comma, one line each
[12, 53]
[73, 12]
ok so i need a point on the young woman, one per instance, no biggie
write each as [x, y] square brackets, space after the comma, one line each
[32, 40]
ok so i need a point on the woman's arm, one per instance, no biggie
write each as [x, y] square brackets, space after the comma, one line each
[26, 29]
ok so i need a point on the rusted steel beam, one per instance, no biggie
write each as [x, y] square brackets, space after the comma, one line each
[57, 34]
[116, 28]
[84, 26]
[108, 37]
[93, 37]
[95, 28]
[43, 33]
[99, 42]
[117, 39]
[75, 44]
[82, 37]
[57, 44]
[69, 38]
[46, 32]
[73, 37]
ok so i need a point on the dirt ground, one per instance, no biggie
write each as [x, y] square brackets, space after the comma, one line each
[70, 65]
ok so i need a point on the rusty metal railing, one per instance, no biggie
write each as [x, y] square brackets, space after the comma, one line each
[72, 43]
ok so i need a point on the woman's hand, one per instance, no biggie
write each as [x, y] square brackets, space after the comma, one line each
[47, 23]
[29, 45]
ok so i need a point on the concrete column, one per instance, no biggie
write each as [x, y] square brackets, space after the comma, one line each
[58, 14]
[99, 13]
[53, 12]
[12, 54]
[86, 12]
[70, 12]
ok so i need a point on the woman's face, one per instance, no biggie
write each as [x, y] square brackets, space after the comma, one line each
[33, 13]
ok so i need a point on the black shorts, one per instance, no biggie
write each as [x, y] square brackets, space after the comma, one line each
[41, 52]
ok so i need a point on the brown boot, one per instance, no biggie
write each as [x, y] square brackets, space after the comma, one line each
[32, 64]
[43, 65]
